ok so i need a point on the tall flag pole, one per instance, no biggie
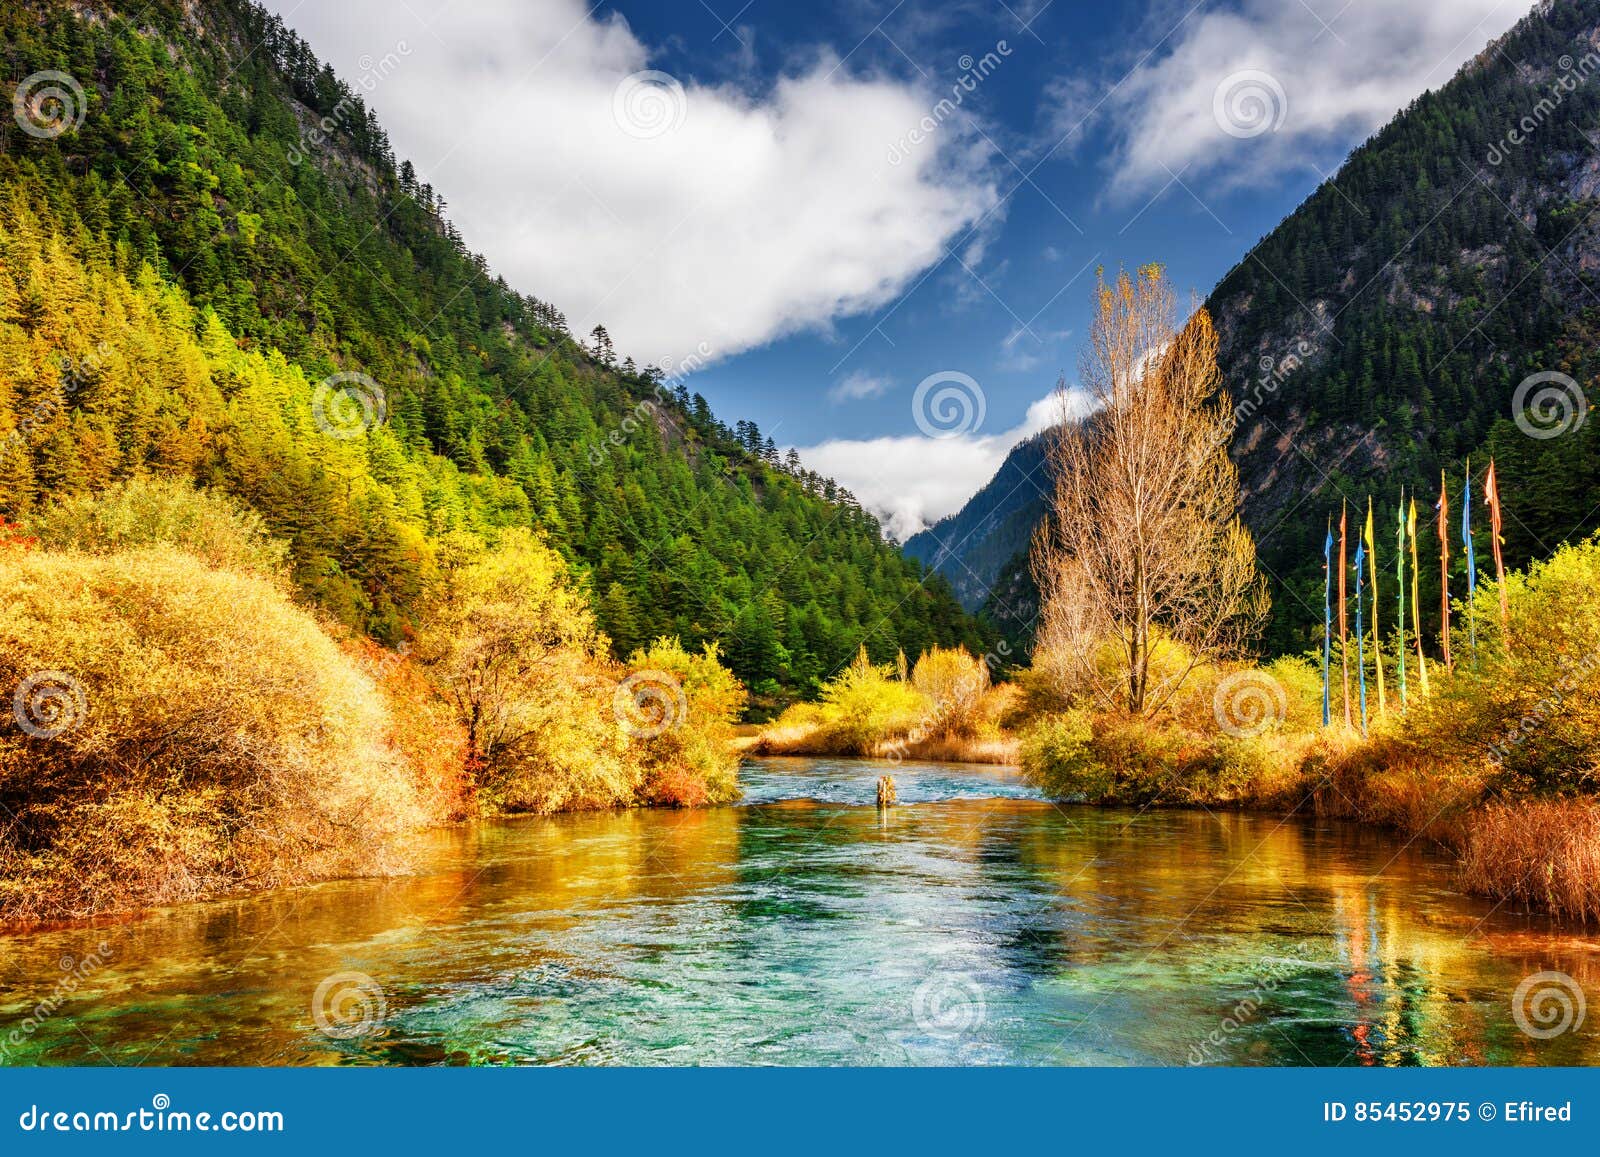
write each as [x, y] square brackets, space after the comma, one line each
[1327, 623]
[1361, 634]
[1400, 590]
[1444, 573]
[1344, 630]
[1472, 564]
[1416, 597]
[1491, 491]
[1377, 645]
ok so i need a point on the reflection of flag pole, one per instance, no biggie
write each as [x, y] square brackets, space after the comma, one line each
[1491, 491]
[1361, 634]
[1444, 573]
[1327, 622]
[1377, 644]
[1416, 597]
[1472, 565]
[1344, 631]
[1400, 584]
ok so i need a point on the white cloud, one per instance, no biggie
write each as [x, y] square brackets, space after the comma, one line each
[1025, 347]
[859, 385]
[1335, 76]
[759, 214]
[910, 482]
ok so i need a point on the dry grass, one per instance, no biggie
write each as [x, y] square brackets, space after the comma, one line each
[1543, 853]
[999, 749]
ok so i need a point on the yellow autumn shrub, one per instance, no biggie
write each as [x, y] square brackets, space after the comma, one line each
[172, 731]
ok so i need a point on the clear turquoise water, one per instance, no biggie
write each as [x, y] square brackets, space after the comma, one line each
[973, 924]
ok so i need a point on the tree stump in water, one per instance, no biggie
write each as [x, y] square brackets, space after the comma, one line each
[886, 796]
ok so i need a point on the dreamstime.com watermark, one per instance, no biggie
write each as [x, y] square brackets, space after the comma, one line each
[1572, 76]
[1549, 404]
[1573, 673]
[1249, 703]
[75, 971]
[49, 704]
[949, 1005]
[1266, 980]
[973, 74]
[1249, 103]
[348, 1005]
[49, 104]
[948, 404]
[74, 376]
[648, 104]
[673, 376]
[650, 703]
[373, 73]
[1548, 1004]
[347, 405]
[1274, 372]
[160, 1117]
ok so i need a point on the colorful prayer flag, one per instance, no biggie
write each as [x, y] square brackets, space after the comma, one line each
[1400, 591]
[1377, 646]
[1361, 634]
[1327, 623]
[1491, 491]
[1443, 507]
[1416, 597]
[1344, 632]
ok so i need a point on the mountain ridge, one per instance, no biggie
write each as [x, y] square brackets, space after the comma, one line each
[238, 281]
[1381, 331]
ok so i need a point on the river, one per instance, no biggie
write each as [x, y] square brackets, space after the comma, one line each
[976, 923]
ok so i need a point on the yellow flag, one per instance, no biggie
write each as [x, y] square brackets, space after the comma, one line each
[1372, 572]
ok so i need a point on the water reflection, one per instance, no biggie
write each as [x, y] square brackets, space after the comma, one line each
[975, 924]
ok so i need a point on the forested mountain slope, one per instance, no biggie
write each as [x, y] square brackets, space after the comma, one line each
[1450, 258]
[210, 225]
[972, 546]
[1381, 332]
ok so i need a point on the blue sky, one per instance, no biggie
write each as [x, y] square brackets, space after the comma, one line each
[773, 192]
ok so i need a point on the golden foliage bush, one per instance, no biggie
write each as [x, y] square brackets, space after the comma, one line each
[954, 684]
[681, 708]
[193, 732]
[861, 709]
[1528, 712]
[424, 728]
[509, 638]
[145, 511]
[941, 708]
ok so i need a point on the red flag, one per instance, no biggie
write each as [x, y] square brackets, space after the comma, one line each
[1444, 572]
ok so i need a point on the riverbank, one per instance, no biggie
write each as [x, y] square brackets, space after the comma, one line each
[943, 707]
[180, 725]
[1420, 779]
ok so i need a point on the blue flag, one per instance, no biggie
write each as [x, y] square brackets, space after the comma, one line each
[1361, 634]
[1327, 624]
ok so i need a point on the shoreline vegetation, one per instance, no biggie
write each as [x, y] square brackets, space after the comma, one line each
[1142, 692]
[182, 727]
[189, 720]
[1498, 765]
[286, 578]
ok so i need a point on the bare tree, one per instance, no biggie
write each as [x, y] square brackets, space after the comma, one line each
[1143, 566]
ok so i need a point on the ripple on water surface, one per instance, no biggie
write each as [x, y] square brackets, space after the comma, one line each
[973, 924]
